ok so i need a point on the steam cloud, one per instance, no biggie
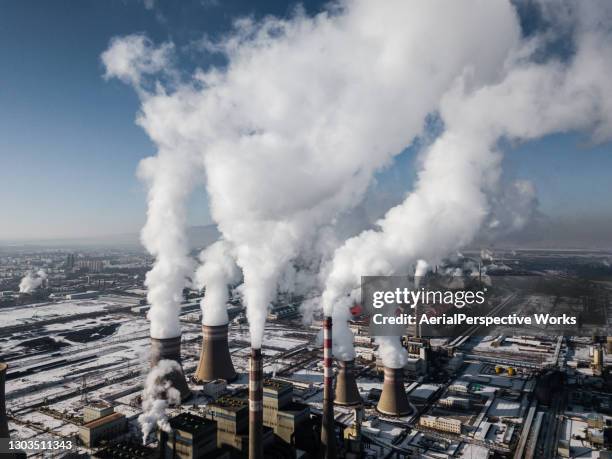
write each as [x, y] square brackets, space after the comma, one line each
[218, 269]
[284, 158]
[289, 133]
[461, 169]
[157, 395]
[31, 281]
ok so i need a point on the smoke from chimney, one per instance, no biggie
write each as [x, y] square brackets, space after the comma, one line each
[32, 280]
[170, 349]
[216, 272]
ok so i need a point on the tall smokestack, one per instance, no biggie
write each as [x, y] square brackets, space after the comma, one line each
[170, 349]
[4, 430]
[347, 393]
[256, 405]
[328, 440]
[215, 360]
[393, 400]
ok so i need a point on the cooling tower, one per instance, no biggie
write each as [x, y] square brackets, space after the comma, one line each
[215, 360]
[170, 349]
[347, 393]
[328, 440]
[256, 405]
[393, 400]
[4, 431]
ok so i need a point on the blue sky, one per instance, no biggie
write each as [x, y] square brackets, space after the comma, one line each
[69, 146]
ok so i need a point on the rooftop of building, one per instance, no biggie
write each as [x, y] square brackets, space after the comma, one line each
[276, 384]
[126, 450]
[103, 420]
[230, 403]
[191, 423]
[294, 407]
[98, 404]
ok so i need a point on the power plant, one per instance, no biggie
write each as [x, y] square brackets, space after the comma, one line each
[170, 349]
[215, 360]
[4, 430]
[328, 438]
[393, 400]
[256, 405]
[347, 393]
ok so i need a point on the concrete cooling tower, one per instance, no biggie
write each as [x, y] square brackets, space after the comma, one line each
[4, 430]
[215, 360]
[170, 349]
[393, 400]
[347, 393]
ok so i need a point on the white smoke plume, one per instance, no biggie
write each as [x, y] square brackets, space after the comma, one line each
[32, 280]
[391, 351]
[217, 271]
[462, 168]
[284, 157]
[170, 176]
[157, 395]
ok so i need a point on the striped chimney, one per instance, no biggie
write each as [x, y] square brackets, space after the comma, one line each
[256, 405]
[328, 440]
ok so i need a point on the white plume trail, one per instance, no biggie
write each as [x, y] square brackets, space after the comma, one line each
[32, 280]
[170, 176]
[462, 167]
[217, 271]
[157, 395]
[284, 157]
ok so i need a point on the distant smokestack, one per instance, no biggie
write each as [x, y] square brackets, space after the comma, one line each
[170, 349]
[328, 440]
[4, 430]
[393, 400]
[347, 392]
[256, 405]
[215, 360]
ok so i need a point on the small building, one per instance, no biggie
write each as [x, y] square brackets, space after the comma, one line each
[103, 428]
[424, 393]
[191, 437]
[82, 295]
[462, 403]
[96, 410]
[215, 388]
[415, 367]
[441, 423]
[462, 387]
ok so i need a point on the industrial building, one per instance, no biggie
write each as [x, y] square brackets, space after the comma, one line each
[441, 423]
[281, 413]
[191, 437]
[102, 428]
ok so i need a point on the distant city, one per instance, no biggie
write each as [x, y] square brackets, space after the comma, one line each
[77, 345]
